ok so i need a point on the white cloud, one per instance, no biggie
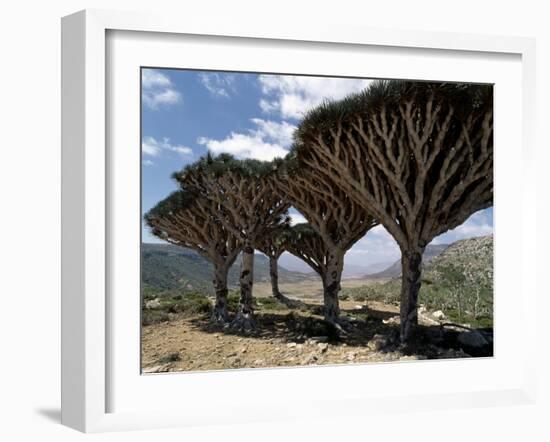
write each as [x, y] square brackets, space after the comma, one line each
[281, 133]
[376, 246]
[292, 96]
[158, 90]
[148, 163]
[153, 147]
[221, 85]
[479, 224]
[379, 246]
[268, 140]
[151, 78]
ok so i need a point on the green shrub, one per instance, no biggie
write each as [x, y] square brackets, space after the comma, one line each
[233, 301]
[270, 303]
[170, 303]
[149, 317]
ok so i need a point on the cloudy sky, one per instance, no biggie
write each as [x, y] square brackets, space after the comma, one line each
[185, 113]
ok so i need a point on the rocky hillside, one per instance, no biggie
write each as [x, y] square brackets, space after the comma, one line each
[458, 281]
[168, 267]
[394, 271]
[471, 257]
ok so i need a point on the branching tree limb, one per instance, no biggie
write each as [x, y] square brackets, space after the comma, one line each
[417, 156]
[273, 244]
[247, 208]
[188, 220]
[338, 220]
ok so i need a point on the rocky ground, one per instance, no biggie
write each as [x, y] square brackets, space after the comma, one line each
[298, 337]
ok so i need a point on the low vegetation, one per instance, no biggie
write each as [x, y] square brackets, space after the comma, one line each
[161, 306]
[459, 282]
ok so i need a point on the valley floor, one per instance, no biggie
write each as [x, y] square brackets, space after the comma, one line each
[291, 337]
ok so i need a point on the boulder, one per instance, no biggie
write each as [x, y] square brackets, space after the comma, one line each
[154, 303]
[439, 315]
[472, 339]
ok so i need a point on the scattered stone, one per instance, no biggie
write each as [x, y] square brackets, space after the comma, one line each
[358, 307]
[291, 344]
[323, 346]
[158, 369]
[413, 358]
[154, 303]
[259, 362]
[350, 356]
[393, 320]
[244, 350]
[439, 315]
[231, 355]
[377, 343]
[472, 339]
[316, 339]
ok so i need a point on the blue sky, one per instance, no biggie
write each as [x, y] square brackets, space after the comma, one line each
[185, 113]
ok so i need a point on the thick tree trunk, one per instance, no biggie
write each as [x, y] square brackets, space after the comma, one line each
[245, 314]
[331, 286]
[411, 262]
[274, 274]
[219, 313]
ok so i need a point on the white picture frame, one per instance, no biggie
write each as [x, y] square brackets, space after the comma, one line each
[87, 205]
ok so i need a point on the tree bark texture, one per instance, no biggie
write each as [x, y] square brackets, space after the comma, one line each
[331, 285]
[245, 313]
[420, 161]
[274, 274]
[219, 313]
[411, 262]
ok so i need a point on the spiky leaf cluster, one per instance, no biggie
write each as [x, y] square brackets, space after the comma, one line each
[417, 155]
[243, 190]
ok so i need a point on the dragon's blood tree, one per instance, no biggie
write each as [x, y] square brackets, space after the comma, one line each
[305, 243]
[248, 208]
[418, 156]
[339, 221]
[186, 219]
[273, 244]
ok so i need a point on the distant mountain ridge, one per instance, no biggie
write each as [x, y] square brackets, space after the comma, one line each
[394, 271]
[170, 267]
[458, 281]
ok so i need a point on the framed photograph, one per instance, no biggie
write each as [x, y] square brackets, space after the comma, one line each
[257, 213]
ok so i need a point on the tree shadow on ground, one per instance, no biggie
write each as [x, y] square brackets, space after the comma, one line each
[299, 326]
